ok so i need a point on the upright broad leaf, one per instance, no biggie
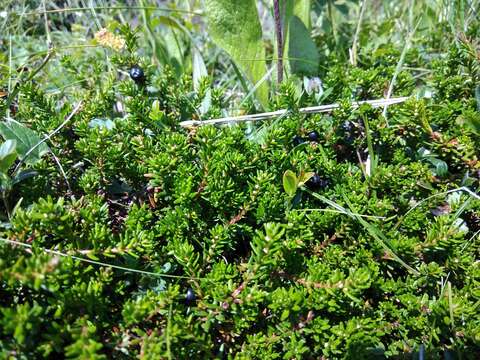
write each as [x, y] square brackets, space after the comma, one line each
[299, 47]
[235, 27]
[8, 154]
[290, 182]
[26, 139]
[302, 51]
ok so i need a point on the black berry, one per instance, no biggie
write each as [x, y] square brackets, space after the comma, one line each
[313, 136]
[297, 140]
[137, 74]
[348, 132]
[316, 182]
[347, 127]
[190, 297]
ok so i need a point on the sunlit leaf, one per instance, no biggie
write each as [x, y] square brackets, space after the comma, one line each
[290, 182]
[234, 25]
[26, 139]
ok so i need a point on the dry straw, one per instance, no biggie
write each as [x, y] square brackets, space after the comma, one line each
[274, 114]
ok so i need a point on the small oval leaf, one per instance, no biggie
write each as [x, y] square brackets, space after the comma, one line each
[290, 182]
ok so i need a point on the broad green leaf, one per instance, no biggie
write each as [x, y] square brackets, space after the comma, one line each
[290, 182]
[166, 45]
[8, 154]
[164, 20]
[175, 47]
[234, 25]
[302, 52]
[26, 140]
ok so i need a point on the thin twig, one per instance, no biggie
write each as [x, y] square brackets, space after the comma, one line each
[279, 33]
[307, 110]
[62, 172]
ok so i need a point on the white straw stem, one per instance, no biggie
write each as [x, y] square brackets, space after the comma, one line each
[274, 114]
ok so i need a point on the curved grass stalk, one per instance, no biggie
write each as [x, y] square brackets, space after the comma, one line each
[98, 263]
[341, 212]
[463, 188]
[371, 229]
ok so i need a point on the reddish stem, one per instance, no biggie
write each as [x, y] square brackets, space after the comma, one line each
[278, 30]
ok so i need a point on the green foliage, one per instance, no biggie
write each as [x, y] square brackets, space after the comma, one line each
[381, 261]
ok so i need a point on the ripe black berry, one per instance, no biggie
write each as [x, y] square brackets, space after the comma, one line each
[316, 182]
[137, 74]
[348, 132]
[190, 297]
[297, 140]
[347, 127]
[313, 136]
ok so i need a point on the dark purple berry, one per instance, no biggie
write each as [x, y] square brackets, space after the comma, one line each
[347, 127]
[297, 140]
[347, 130]
[190, 297]
[137, 74]
[313, 136]
[316, 182]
